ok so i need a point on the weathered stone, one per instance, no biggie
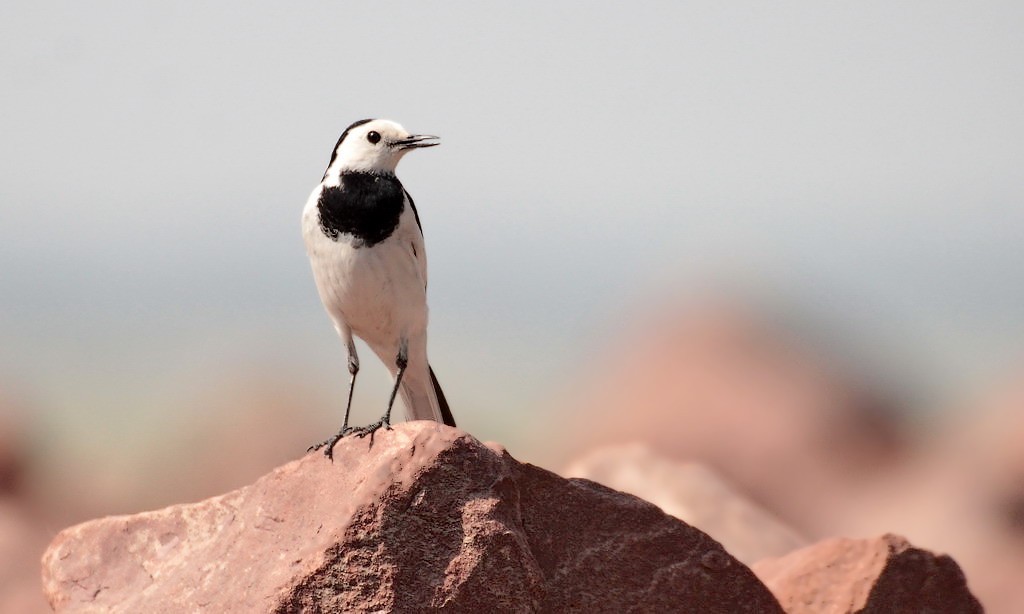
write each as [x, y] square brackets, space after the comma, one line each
[425, 517]
[882, 575]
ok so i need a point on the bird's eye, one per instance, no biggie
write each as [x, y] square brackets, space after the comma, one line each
[373, 136]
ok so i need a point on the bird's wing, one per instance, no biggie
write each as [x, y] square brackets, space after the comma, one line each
[416, 244]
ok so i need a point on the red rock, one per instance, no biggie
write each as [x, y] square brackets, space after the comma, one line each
[694, 494]
[424, 518]
[883, 575]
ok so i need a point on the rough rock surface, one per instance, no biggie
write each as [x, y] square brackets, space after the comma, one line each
[694, 494]
[424, 518]
[883, 575]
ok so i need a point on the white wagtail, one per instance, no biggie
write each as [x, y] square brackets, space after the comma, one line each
[365, 242]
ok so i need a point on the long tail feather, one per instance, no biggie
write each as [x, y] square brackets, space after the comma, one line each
[442, 402]
[423, 397]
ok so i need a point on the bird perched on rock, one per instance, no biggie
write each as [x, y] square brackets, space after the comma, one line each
[365, 243]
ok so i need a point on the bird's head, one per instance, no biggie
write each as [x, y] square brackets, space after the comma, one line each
[374, 145]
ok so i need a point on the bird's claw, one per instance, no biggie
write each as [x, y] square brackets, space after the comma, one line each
[329, 443]
[370, 429]
[359, 432]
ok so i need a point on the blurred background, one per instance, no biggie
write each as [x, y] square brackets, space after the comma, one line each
[784, 241]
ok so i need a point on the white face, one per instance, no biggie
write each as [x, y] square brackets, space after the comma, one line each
[377, 145]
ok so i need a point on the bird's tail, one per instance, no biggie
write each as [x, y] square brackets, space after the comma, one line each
[424, 399]
[446, 412]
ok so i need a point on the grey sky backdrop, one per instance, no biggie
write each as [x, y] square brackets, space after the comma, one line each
[860, 160]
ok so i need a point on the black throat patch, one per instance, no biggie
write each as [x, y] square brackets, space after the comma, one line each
[366, 206]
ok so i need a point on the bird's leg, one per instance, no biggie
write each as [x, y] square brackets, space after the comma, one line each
[353, 369]
[401, 361]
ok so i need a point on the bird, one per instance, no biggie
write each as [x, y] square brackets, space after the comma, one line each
[365, 244]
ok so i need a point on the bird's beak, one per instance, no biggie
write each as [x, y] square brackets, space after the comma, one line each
[417, 140]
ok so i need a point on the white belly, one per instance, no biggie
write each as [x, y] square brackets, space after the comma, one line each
[376, 291]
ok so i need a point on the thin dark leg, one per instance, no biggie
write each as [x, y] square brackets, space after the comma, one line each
[401, 362]
[353, 369]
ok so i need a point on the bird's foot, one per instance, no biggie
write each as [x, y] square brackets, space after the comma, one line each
[370, 429]
[329, 443]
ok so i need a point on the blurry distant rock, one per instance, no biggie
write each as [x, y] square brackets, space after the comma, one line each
[720, 386]
[885, 575]
[224, 436]
[243, 425]
[692, 493]
[21, 541]
[22, 533]
[991, 441]
[974, 472]
[13, 447]
[958, 490]
[424, 518]
[226, 433]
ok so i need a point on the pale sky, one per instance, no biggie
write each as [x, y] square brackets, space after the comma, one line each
[862, 160]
